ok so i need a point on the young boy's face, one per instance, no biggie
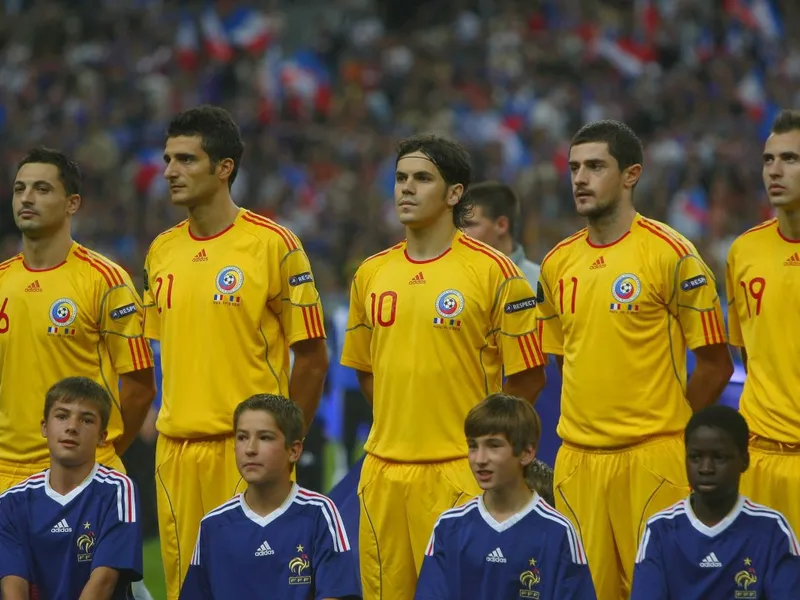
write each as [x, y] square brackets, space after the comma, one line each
[492, 460]
[713, 463]
[73, 430]
[261, 453]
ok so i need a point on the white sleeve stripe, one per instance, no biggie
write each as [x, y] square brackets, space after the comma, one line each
[126, 497]
[32, 483]
[338, 523]
[229, 505]
[575, 544]
[196, 553]
[759, 511]
[641, 554]
[429, 551]
[341, 542]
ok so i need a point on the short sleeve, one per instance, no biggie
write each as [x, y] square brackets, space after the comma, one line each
[122, 327]
[335, 570]
[783, 579]
[514, 316]
[119, 543]
[152, 322]
[197, 586]
[550, 332]
[14, 551]
[432, 584]
[574, 581]
[695, 299]
[358, 335]
[649, 576]
[731, 288]
[300, 305]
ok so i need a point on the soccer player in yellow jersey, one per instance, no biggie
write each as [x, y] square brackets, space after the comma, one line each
[433, 323]
[64, 310]
[763, 281]
[228, 292]
[623, 299]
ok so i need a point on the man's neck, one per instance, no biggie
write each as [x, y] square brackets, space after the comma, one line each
[789, 223]
[431, 242]
[504, 503]
[46, 252]
[506, 245]
[264, 499]
[65, 479]
[609, 228]
[711, 512]
[207, 220]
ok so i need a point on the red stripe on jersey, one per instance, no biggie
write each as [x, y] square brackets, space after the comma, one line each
[671, 235]
[116, 276]
[512, 268]
[537, 349]
[98, 269]
[763, 225]
[285, 234]
[307, 321]
[705, 328]
[383, 252]
[336, 518]
[718, 326]
[142, 353]
[491, 255]
[658, 233]
[524, 350]
[134, 354]
[148, 357]
[317, 320]
[571, 239]
[5, 265]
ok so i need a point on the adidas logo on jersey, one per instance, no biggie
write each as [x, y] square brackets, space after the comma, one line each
[710, 561]
[200, 256]
[264, 550]
[418, 278]
[793, 260]
[61, 527]
[34, 287]
[600, 263]
[496, 556]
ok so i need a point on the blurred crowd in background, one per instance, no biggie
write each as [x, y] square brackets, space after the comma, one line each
[323, 90]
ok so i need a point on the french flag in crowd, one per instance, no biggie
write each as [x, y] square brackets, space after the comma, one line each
[627, 57]
[149, 166]
[760, 16]
[689, 213]
[752, 95]
[216, 39]
[648, 19]
[187, 43]
[249, 29]
[306, 79]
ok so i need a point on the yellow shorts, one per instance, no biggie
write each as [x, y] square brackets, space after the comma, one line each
[772, 478]
[400, 503]
[12, 473]
[193, 477]
[609, 494]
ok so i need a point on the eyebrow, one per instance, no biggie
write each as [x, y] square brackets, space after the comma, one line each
[784, 154]
[179, 155]
[37, 182]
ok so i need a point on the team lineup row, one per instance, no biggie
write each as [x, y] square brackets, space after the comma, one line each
[237, 291]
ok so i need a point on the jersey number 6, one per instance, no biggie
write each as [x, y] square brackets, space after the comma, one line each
[379, 309]
[4, 323]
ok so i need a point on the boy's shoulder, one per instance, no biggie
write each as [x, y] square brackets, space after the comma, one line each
[32, 485]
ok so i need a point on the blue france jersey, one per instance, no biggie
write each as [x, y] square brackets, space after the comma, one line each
[55, 542]
[534, 554]
[751, 553]
[300, 551]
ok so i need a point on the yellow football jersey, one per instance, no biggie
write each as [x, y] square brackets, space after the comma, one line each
[622, 315]
[763, 285]
[82, 317]
[436, 335]
[226, 309]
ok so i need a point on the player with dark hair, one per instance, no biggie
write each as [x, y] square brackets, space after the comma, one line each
[621, 301]
[72, 531]
[236, 289]
[508, 542]
[64, 310]
[276, 535]
[433, 322]
[495, 220]
[717, 543]
[763, 283]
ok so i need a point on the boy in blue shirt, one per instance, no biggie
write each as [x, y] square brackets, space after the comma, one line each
[717, 543]
[72, 531]
[276, 538]
[507, 543]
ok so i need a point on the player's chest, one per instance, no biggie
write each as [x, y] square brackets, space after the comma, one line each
[442, 297]
[45, 307]
[606, 285]
[771, 285]
[512, 559]
[284, 560]
[211, 278]
[70, 533]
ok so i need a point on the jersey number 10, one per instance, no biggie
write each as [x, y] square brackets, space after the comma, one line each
[379, 309]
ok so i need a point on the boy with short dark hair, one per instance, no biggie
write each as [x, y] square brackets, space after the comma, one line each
[716, 543]
[72, 531]
[508, 542]
[275, 536]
